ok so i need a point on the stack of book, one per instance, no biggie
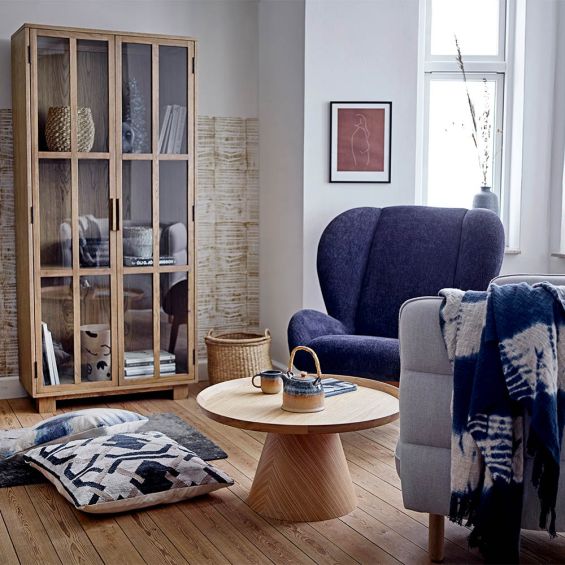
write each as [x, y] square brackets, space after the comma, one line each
[50, 370]
[172, 129]
[140, 364]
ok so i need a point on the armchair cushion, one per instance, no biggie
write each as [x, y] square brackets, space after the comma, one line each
[360, 355]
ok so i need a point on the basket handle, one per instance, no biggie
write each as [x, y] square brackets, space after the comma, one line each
[267, 333]
[312, 353]
[210, 332]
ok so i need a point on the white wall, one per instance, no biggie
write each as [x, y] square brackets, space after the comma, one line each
[557, 264]
[226, 30]
[356, 50]
[540, 108]
[281, 134]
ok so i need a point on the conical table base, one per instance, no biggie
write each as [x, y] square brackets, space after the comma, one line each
[302, 478]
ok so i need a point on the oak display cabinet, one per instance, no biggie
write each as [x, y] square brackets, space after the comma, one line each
[104, 148]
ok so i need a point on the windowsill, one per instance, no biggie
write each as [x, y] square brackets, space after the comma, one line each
[510, 251]
[560, 255]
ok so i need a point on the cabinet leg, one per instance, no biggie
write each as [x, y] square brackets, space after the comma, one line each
[436, 538]
[180, 392]
[46, 405]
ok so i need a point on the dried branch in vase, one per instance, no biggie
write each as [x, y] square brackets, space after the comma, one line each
[481, 133]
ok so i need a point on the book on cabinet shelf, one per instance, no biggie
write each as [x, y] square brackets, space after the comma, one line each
[141, 363]
[172, 129]
[148, 370]
[50, 370]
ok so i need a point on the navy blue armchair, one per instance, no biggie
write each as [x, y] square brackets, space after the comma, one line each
[370, 261]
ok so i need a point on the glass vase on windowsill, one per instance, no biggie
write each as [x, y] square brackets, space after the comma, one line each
[486, 199]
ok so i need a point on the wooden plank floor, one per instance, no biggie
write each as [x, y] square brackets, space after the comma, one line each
[37, 526]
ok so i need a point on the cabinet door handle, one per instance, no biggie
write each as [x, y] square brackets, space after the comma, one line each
[111, 213]
[117, 214]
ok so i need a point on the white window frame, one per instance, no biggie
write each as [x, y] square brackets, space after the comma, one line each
[506, 69]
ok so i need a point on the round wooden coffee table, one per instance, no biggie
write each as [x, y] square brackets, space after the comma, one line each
[302, 474]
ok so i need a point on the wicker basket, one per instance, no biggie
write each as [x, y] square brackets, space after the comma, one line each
[58, 129]
[234, 355]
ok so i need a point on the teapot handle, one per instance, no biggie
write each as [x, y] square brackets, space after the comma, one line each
[314, 356]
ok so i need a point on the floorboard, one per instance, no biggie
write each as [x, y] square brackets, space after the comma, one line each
[37, 526]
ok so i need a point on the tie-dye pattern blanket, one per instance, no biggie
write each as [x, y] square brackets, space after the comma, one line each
[507, 349]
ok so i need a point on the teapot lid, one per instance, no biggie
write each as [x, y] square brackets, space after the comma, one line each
[303, 377]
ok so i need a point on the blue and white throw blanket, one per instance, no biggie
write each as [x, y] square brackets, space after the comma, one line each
[507, 349]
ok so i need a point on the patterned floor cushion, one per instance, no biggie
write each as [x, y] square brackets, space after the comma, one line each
[87, 423]
[125, 471]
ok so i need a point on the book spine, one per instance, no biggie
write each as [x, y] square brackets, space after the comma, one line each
[54, 371]
[173, 132]
[180, 129]
[164, 127]
[45, 356]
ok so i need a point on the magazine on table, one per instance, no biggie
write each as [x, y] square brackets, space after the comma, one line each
[333, 387]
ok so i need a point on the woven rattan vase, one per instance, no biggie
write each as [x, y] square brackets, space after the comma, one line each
[58, 129]
[234, 355]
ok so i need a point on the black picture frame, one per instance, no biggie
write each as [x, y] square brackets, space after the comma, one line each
[361, 176]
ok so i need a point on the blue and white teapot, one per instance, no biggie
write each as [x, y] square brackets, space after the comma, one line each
[303, 393]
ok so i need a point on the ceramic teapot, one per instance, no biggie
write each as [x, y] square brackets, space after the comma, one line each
[303, 393]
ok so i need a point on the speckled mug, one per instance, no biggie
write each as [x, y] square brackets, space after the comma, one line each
[271, 381]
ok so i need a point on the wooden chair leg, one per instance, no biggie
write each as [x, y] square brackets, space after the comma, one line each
[436, 538]
[174, 334]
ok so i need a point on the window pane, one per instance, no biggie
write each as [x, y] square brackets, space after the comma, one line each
[454, 174]
[474, 22]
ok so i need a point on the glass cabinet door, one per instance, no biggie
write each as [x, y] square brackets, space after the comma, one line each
[74, 201]
[155, 201]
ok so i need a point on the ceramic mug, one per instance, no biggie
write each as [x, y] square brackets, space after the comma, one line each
[271, 381]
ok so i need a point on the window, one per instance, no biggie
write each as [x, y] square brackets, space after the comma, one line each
[454, 167]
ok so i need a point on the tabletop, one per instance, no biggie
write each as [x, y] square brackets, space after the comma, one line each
[238, 404]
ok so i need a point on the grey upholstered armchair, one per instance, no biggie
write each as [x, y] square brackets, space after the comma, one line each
[423, 452]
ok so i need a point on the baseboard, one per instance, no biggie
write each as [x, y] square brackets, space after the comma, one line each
[202, 369]
[10, 387]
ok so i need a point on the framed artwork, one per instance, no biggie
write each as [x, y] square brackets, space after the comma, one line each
[360, 141]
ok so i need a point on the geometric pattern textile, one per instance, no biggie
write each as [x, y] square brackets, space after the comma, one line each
[125, 471]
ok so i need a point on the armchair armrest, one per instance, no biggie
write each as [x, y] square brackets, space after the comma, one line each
[426, 377]
[307, 325]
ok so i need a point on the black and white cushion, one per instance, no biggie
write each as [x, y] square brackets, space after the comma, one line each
[125, 471]
[81, 424]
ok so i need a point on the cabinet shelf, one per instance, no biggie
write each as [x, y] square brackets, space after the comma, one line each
[69, 155]
[108, 195]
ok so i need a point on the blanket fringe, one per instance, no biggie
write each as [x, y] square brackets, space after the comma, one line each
[545, 478]
[462, 507]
